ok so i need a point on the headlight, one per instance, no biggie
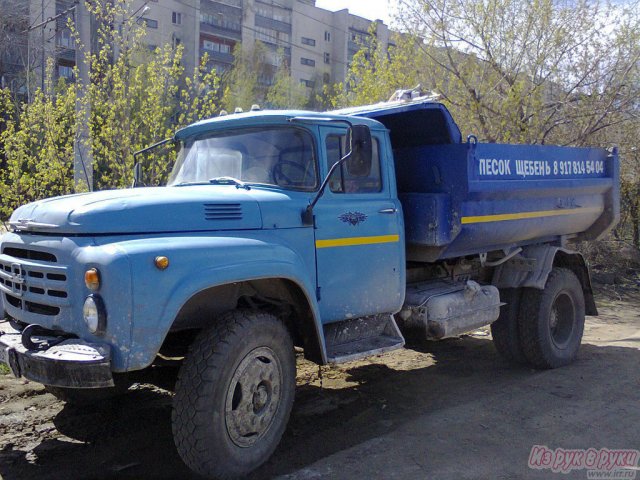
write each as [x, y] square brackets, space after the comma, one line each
[94, 314]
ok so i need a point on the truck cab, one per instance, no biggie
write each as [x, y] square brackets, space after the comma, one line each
[332, 232]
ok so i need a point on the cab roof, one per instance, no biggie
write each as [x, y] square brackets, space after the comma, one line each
[270, 117]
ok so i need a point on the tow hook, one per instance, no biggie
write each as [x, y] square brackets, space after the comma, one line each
[44, 338]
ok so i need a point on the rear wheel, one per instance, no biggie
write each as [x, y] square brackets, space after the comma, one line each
[551, 321]
[504, 331]
[234, 394]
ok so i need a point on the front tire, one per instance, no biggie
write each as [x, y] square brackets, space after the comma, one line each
[551, 321]
[234, 394]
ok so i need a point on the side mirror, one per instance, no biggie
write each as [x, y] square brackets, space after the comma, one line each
[360, 158]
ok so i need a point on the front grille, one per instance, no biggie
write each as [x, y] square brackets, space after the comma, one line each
[222, 211]
[26, 254]
[32, 280]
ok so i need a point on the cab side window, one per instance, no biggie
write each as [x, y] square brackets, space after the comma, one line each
[341, 181]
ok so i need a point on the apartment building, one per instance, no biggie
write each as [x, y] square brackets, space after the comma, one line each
[325, 42]
[317, 44]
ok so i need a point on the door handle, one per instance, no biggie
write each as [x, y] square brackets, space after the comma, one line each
[388, 210]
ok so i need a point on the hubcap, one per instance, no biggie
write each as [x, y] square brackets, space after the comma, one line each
[253, 396]
[562, 320]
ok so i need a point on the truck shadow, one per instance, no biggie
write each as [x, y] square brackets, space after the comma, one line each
[130, 437]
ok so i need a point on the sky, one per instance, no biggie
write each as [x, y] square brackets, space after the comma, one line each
[371, 9]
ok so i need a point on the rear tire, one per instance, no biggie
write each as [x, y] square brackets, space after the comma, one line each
[551, 321]
[505, 330]
[234, 394]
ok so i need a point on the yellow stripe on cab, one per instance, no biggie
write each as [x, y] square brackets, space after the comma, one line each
[355, 241]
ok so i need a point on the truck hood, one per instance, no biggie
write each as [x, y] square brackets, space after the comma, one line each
[143, 210]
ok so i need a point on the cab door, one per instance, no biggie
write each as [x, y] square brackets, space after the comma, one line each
[359, 235]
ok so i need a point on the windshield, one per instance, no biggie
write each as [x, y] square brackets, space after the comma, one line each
[273, 156]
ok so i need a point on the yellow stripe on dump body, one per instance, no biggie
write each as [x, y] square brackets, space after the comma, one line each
[353, 241]
[525, 215]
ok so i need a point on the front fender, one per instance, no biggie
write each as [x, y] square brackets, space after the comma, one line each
[197, 264]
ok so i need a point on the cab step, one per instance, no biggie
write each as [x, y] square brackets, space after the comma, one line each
[361, 337]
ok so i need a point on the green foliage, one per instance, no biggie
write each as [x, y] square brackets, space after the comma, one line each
[375, 73]
[285, 91]
[243, 87]
[138, 98]
[133, 98]
[529, 72]
[36, 140]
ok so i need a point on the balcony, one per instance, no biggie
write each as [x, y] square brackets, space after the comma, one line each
[276, 25]
[354, 47]
[231, 3]
[222, 31]
[65, 53]
[218, 57]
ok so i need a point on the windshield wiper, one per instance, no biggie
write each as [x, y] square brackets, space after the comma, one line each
[189, 184]
[229, 181]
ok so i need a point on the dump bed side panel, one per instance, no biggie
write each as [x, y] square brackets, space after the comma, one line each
[462, 199]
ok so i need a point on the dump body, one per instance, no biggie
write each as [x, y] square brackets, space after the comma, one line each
[463, 198]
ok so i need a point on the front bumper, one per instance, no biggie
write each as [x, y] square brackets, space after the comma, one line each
[73, 363]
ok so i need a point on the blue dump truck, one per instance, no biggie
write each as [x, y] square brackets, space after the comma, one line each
[340, 234]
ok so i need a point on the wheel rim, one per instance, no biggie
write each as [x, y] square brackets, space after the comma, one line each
[253, 396]
[562, 320]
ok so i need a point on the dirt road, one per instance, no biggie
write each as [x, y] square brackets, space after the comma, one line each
[448, 410]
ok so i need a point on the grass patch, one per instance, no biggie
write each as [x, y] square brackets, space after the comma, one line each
[4, 370]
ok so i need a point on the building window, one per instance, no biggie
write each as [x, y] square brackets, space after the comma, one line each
[176, 18]
[308, 41]
[274, 14]
[64, 38]
[327, 36]
[268, 35]
[65, 72]
[308, 83]
[149, 22]
[215, 46]
[327, 57]
[308, 62]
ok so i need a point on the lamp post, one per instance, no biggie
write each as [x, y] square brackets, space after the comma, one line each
[82, 160]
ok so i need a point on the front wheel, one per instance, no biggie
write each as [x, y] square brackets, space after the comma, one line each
[551, 321]
[234, 394]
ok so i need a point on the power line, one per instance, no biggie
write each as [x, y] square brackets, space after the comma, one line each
[50, 19]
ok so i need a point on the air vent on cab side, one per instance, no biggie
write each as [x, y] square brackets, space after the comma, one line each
[222, 211]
